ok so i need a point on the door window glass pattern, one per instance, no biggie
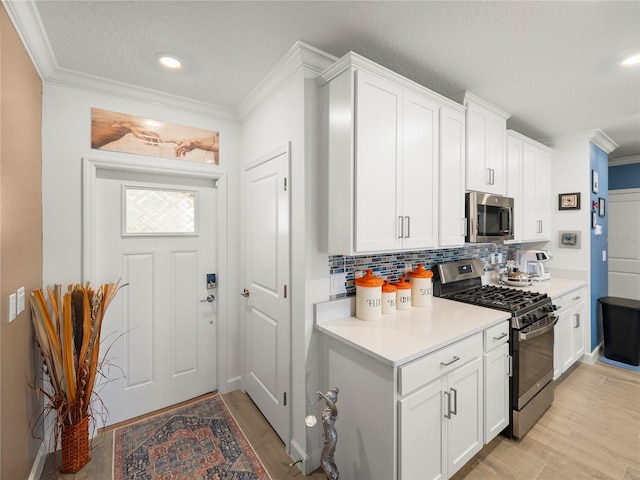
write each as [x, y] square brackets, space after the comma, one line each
[150, 211]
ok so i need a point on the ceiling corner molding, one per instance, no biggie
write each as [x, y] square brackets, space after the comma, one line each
[616, 162]
[603, 141]
[302, 57]
[103, 86]
[26, 20]
[466, 96]
[597, 137]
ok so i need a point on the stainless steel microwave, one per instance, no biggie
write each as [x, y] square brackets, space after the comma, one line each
[490, 218]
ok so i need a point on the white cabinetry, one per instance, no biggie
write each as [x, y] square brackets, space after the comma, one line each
[496, 380]
[381, 153]
[485, 145]
[452, 224]
[529, 183]
[441, 422]
[569, 331]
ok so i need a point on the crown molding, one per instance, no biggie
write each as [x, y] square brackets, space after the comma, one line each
[26, 20]
[615, 162]
[302, 57]
[597, 137]
[467, 97]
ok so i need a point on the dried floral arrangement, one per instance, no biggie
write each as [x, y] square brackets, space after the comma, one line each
[67, 329]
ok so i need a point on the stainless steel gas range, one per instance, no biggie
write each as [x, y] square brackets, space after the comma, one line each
[530, 342]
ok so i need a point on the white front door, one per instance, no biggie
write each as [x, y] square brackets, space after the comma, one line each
[157, 233]
[267, 315]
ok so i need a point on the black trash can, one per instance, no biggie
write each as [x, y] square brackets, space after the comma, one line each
[621, 329]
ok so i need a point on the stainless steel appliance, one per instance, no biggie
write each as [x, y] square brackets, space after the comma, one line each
[490, 217]
[530, 342]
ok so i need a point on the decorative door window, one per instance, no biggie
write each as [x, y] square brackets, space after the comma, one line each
[150, 211]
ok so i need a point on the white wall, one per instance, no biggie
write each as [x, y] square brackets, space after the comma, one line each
[291, 114]
[66, 139]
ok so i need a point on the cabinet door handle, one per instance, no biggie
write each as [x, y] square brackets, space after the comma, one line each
[576, 323]
[504, 334]
[509, 365]
[455, 401]
[455, 359]
[493, 176]
[408, 229]
[400, 227]
[488, 175]
[447, 405]
[464, 226]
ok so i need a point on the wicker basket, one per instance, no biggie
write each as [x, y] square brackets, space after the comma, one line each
[75, 446]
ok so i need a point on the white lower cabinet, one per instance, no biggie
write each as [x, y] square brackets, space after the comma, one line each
[441, 425]
[496, 380]
[569, 331]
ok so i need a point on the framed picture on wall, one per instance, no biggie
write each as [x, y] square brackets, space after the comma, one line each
[594, 181]
[601, 207]
[569, 201]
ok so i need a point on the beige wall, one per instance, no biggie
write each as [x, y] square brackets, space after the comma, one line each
[20, 245]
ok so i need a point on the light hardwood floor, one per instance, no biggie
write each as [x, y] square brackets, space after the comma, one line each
[592, 431]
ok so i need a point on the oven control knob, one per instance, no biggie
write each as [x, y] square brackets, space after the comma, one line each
[550, 308]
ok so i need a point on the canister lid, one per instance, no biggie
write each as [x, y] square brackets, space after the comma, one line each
[420, 272]
[388, 288]
[368, 280]
[402, 284]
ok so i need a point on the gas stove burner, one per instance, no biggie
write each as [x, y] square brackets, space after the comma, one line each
[500, 298]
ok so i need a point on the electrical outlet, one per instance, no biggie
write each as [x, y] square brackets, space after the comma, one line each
[12, 307]
[20, 300]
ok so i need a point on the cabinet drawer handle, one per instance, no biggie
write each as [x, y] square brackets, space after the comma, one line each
[577, 298]
[504, 334]
[455, 359]
[448, 405]
[455, 401]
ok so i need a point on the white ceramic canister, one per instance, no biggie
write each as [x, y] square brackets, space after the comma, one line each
[403, 295]
[368, 297]
[421, 286]
[388, 297]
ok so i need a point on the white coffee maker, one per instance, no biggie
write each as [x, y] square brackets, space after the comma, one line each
[532, 262]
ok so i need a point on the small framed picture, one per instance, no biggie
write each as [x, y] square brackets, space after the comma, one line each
[594, 219]
[594, 181]
[569, 239]
[602, 207]
[569, 201]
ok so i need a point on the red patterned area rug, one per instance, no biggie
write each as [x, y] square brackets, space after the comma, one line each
[197, 441]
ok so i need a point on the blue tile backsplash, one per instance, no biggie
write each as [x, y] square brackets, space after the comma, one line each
[391, 266]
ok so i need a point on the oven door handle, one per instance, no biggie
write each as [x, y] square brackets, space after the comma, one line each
[538, 332]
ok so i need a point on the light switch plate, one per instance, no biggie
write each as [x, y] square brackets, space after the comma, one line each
[604, 255]
[12, 307]
[20, 300]
[338, 284]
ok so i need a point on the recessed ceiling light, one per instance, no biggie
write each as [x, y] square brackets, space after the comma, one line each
[169, 62]
[632, 60]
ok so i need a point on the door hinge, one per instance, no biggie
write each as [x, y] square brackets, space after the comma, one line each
[285, 184]
[285, 291]
[284, 399]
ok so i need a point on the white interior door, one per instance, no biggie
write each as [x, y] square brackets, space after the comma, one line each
[624, 247]
[267, 315]
[157, 233]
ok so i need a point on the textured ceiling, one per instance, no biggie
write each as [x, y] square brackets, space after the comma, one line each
[552, 65]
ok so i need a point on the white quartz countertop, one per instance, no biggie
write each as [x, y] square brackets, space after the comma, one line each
[554, 287]
[398, 338]
[401, 337]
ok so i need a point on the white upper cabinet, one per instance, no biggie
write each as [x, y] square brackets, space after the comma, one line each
[529, 173]
[452, 224]
[485, 145]
[381, 154]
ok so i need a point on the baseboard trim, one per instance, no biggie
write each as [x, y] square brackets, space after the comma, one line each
[308, 463]
[592, 357]
[38, 463]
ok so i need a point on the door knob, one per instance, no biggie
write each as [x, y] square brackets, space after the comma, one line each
[210, 298]
[245, 293]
